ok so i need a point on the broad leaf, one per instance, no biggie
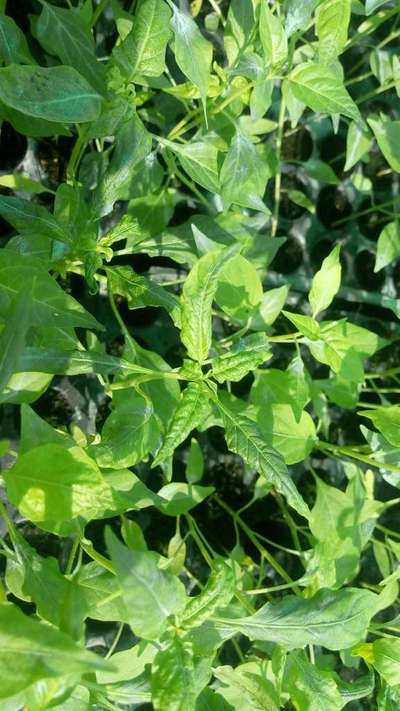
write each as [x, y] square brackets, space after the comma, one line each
[151, 595]
[308, 686]
[273, 37]
[53, 94]
[13, 45]
[331, 23]
[31, 651]
[245, 355]
[140, 291]
[335, 620]
[317, 86]
[387, 134]
[143, 50]
[243, 174]
[246, 687]
[200, 160]
[388, 247]
[173, 677]
[64, 34]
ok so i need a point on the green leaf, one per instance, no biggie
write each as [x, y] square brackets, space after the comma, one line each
[195, 463]
[372, 5]
[239, 276]
[217, 593]
[193, 53]
[29, 217]
[52, 483]
[288, 387]
[294, 440]
[319, 170]
[358, 143]
[13, 45]
[243, 174]
[326, 282]
[388, 247]
[384, 655]
[132, 145]
[31, 651]
[317, 86]
[332, 23]
[173, 677]
[190, 412]
[197, 297]
[269, 309]
[13, 336]
[64, 34]
[387, 134]
[129, 433]
[273, 37]
[50, 93]
[387, 421]
[244, 437]
[50, 305]
[143, 50]
[298, 14]
[244, 356]
[60, 362]
[178, 498]
[340, 339]
[305, 324]
[200, 160]
[239, 25]
[141, 292]
[246, 687]
[151, 595]
[335, 620]
[128, 664]
[210, 700]
[309, 687]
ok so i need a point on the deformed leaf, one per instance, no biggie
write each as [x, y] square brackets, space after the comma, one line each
[143, 50]
[189, 413]
[245, 438]
[173, 677]
[246, 355]
[141, 291]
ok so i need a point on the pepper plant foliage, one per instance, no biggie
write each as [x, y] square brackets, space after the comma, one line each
[146, 561]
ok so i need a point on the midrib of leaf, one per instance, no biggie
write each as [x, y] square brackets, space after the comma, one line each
[141, 47]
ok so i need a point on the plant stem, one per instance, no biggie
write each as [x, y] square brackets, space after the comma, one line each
[349, 452]
[99, 11]
[250, 535]
[115, 640]
[278, 176]
[72, 555]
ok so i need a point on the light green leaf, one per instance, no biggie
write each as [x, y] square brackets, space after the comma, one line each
[193, 53]
[387, 134]
[319, 170]
[141, 292]
[269, 309]
[190, 412]
[244, 437]
[294, 440]
[128, 664]
[309, 687]
[63, 33]
[31, 651]
[238, 28]
[151, 595]
[340, 339]
[384, 655]
[273, 37]
[173, 685]
[143, 50]
[335, 620]
[129, 433]
[317, 86]
[13, 45]
[298, 14]
[326, 282]
[246, 355]
[358, 143]
[289, 387]
[247, 687]
[210, 700]
[50, 93]
[387, 421]
[178, 498]
[372, 5]
[305, 324]
[52, 483]
[197, 296]
[239, 276]
[243, 174]
[195, 462]
[217, 593]
[332, 23]
[388, 247]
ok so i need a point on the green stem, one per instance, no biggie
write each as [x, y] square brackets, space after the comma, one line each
[349, 452]
[72, 555]
[99, 11]
[278, 176]
[115, 640]
[250, 535]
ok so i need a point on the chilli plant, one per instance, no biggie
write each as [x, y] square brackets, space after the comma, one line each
[199, 355]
